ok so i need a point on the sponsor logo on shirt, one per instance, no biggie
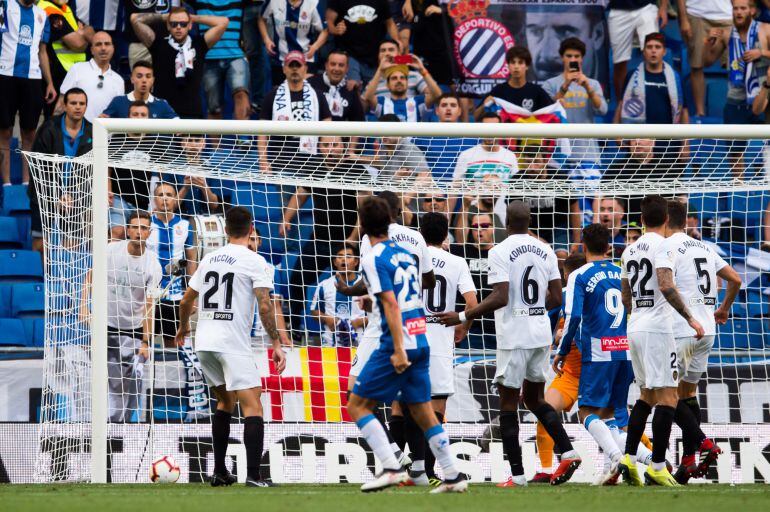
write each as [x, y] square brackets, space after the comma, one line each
[25, 35]
[361, 14]
[222, 315]
[416, 326]
[645, 303]
[703, 301]
[615, 344]
[528, 312]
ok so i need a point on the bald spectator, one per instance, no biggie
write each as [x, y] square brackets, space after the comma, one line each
[100, 82]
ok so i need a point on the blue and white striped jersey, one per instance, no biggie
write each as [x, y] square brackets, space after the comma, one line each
[388, 267]
[408, 109]
[229, 47]
[169, 242]
[21, 33]
[594, 314]
[342, 307]
[292, 27]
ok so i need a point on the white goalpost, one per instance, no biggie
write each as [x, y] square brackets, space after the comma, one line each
[719, 170]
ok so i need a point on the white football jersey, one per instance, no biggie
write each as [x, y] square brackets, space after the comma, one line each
[695, 266]
[527, 265]
[225, 280]
[130, 280]
[650, 311]
[452, 276]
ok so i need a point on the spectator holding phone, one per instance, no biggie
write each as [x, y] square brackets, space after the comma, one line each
[397, 102]
[388, 51]
[582, 97]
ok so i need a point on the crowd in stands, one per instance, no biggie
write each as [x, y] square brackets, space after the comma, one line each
[363, 60]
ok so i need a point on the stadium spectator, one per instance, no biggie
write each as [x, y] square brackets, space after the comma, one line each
[198, 195]
[408, 109]
[428, 26]
[96, 77]
[259, 337]
[582, 97]
[342, 318]
[68, 134]
[143, 80]
[137, 51]
[642, 162]
[171, 240]
[441, 152]
[289, 25]
[487, 157]
[293, 100]
[428, 202]
[744, 43]
[335, 217]
[133, 276]
[612, 214]
[23, 67]
[626, 19]
[358, 26]
[178, 59]
[652, 93]
[225, 61]
[386, 53]
[255, 53]
[130, 188]
[633, 232]
[488, 200]
[696, 19]
[404, 25]
[517, 90]
[396, 157]
[475, 252]
[344, 103]
[68, 42]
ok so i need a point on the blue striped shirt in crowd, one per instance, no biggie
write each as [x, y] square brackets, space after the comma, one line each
[229, 47]
[23, 30]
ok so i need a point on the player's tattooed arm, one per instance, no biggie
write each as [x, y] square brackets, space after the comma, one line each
[669, 291]
[267, 312]
[625, 291]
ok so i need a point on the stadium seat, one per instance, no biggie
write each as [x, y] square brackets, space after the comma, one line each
[716, 92]
[38, 333]
[20, 266]
[6, 291]
[9, 233]
[15, 200]
[12, 332]
[28, 300]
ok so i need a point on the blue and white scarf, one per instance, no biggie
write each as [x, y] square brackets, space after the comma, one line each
[283, 111]
[635, 96]
[741, 73]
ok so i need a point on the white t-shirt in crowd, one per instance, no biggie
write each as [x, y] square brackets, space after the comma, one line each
[85, 75]
[712, 10]
[130, 280]
[476, 162]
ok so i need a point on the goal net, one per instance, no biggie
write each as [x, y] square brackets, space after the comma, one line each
[114, 278]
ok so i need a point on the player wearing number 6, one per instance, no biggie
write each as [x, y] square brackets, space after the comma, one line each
[596, 320]
[695, 267]
[227, 281]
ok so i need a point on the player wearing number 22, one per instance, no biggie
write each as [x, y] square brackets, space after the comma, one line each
[596, 321]
[399, 365]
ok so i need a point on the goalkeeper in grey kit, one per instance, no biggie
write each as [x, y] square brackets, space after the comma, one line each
[225, 285]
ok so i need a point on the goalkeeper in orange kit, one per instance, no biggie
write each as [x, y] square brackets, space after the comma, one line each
[563, 391]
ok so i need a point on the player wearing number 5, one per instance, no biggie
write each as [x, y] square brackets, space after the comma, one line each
[651, 344]
[695, 265]
[227, 281]
[526, 284]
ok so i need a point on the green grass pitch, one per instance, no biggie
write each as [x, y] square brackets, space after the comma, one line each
[343, 498]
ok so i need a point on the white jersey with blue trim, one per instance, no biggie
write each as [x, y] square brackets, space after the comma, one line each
[650, 311]
[328, 300]
[291, 27]
[452, 277]
[23, 31]
[695, 266]
[388, 267]
[170, 241]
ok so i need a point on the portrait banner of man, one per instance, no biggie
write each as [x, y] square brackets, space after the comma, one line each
[482, 31]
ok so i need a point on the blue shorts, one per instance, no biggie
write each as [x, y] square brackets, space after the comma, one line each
[379, 381]
[605, 384]
[621, 416]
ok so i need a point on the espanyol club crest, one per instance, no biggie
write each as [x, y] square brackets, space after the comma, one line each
[480, 43]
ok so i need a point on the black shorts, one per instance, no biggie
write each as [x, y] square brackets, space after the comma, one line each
[23, 96]
[166, 318]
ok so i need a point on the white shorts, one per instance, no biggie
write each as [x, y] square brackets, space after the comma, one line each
[654, 358]
[693, 357]
[365, 348]
[235, 371]
[623, 25]
[519, 364]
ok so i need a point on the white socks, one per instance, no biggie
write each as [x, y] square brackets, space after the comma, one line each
[438, 441]
[603, 436]
[375, 436]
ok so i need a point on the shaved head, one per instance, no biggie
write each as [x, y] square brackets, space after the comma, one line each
[517, 217]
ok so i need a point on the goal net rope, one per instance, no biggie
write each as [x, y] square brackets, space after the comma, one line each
[302, 181]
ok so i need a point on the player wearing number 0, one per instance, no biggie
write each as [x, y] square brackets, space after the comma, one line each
[227, 281]
[651, 344]
[695, 267]
[452, 277]
[399, 365]
[596, 320]
[526, 283]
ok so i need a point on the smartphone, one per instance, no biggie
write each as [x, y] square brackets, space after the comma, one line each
[574, 66]
[402, 59]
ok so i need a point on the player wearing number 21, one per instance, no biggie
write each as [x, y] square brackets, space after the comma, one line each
[526, 284]
[226, 282]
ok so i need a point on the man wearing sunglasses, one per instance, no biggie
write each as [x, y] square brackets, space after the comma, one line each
[178, 59]
[100, 82]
